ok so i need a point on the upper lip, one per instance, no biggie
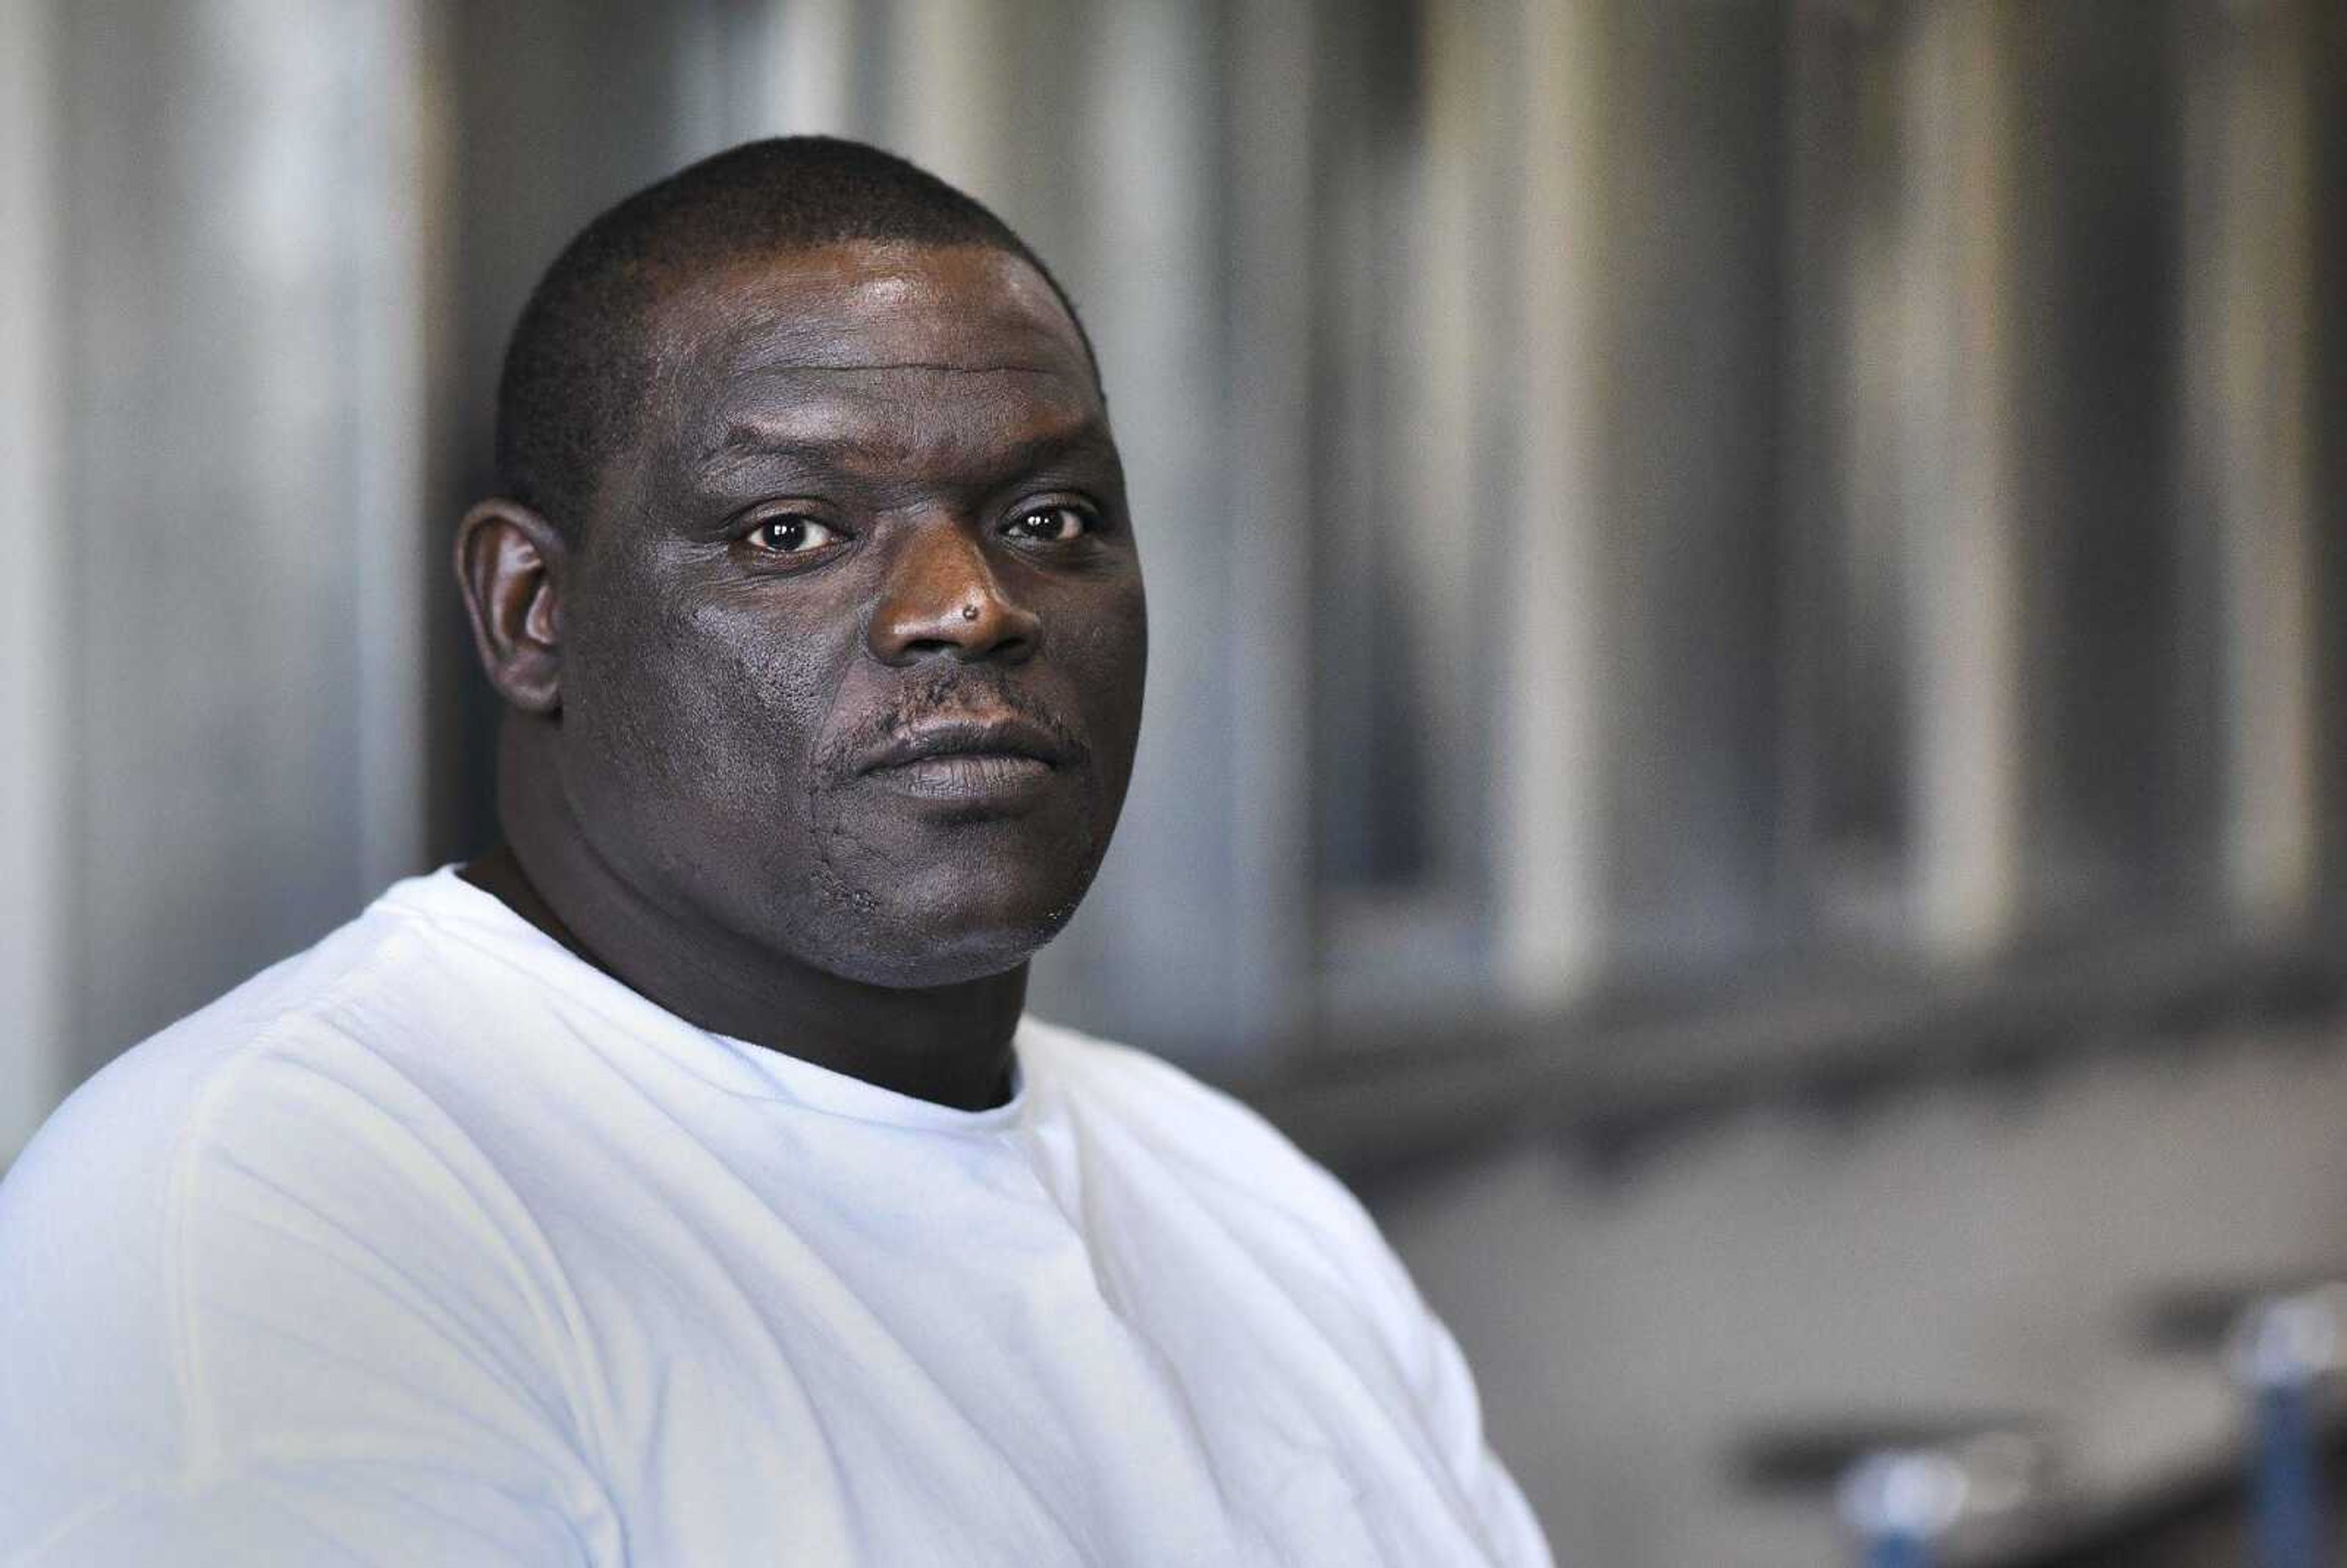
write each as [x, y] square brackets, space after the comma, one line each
[1001, 735]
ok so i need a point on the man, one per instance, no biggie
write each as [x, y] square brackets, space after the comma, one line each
[680, 1185]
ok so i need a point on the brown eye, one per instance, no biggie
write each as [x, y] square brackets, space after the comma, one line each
[1051, 524]
[792, 535]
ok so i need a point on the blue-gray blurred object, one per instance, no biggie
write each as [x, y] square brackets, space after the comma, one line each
[1902, 1489]
[2283, 1350]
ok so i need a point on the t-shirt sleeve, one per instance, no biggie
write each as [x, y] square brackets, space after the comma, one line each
[272, 1309]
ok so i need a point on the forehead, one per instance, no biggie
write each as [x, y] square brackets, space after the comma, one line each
[866, 333]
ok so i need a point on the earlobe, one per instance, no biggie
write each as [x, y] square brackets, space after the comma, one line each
[509, 566]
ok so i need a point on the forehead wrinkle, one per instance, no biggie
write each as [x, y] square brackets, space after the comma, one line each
[750, 439]
[816, 331]
[856, 367]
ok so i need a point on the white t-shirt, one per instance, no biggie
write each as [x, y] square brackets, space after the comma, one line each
[435, 1246]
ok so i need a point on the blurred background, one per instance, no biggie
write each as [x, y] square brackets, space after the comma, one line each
[1749, 607]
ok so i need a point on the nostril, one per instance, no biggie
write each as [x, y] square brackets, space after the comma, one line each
[974, 623]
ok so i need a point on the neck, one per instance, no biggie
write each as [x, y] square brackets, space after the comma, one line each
[950, 1045]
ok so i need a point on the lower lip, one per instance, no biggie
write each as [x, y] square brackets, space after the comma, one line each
[973, 778]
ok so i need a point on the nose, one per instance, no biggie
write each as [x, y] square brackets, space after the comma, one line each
[943, 598]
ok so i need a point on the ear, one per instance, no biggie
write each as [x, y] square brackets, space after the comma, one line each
[509, 565]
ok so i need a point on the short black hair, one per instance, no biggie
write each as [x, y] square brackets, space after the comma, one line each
[575, 364]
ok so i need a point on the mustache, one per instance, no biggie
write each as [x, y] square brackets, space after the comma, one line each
[946, 693]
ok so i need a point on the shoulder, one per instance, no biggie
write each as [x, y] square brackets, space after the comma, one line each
[1223, 1151]
[282, 1086]
[1100, 1078]
[1150, 1124]
[241, 1227]
[126, 1121]
[348, 1013]
[302, 1095]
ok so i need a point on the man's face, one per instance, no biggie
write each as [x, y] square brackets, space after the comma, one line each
[853, 641]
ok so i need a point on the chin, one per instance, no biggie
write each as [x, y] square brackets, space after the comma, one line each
[924, 961]
[958, 934]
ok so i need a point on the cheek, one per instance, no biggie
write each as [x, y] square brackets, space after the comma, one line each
[1107, 657]
[704, 710]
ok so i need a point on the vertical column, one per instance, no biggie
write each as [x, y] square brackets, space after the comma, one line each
[1273, 99]
[2248, 323]
[1845, 858]
[813, 62]
[1959, 490]
[1419, 417]
[396, 189]
[953, 91]
[1155, 944]
[1554, 804]
[1693, 530]
[241, 435]
[1448, 471]
[33, 737]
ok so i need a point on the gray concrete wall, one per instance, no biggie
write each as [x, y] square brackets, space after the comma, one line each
[1953, 1252]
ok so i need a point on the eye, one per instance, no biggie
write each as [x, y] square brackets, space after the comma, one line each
[1051, 524]
[790, 534]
